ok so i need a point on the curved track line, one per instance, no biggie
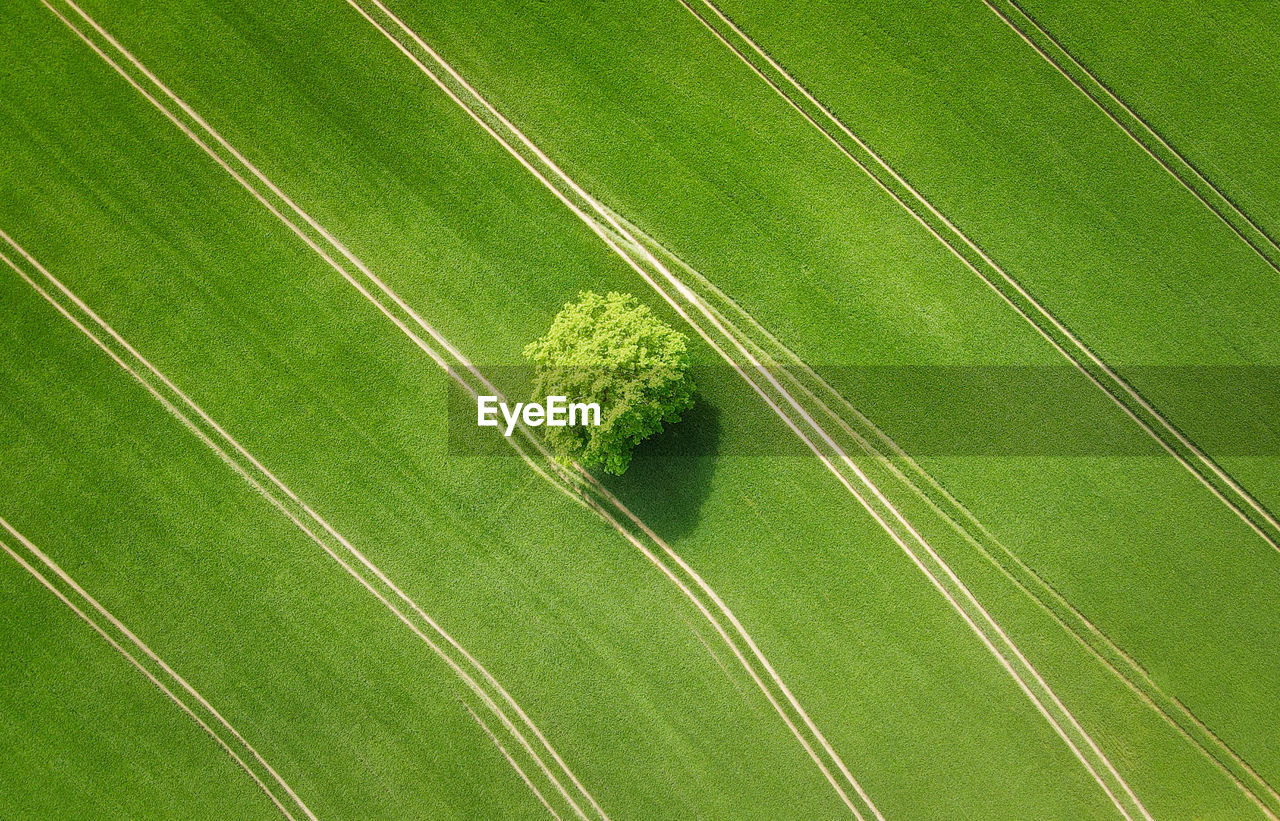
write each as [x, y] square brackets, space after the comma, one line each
[613, 243]
[261, 483]
[351, 280]
[527, 782]
[956, 593]
[565, 483]
[138, 644]
[1023, 576]
[1223, 202]
[614, 234]
[1120, 392]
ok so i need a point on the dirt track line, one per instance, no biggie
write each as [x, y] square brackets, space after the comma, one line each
[399, 313]
[1097, 643]
[515, 766]
[597, 489]
[138, 644]
[311, 242]
[1210, 474]
[261, 480]
[1220, 203]
[1226, 759]
[941, 576]
[1189, 726]
[632, 243]
[565, 484]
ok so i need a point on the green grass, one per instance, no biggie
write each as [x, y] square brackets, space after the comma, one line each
[588, 636]
[646, 110]
[851, 279]
[84, 734]
[1139, 269]
[226, 591]
[1068, 204]
[1057, 786]
[1198, 74]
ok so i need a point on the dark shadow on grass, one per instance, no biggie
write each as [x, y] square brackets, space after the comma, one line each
[670, 474]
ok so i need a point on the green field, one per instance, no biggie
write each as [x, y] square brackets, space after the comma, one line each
[255, 255]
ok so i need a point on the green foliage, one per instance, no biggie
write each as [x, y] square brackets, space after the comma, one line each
[614, 351]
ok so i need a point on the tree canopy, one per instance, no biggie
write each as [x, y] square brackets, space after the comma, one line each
[614, 351]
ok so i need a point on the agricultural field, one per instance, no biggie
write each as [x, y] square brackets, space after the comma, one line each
[974, 514]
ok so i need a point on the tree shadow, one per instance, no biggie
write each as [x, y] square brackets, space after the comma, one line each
[670, 474]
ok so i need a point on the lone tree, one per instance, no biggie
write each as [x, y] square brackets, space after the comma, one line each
[614, 351]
